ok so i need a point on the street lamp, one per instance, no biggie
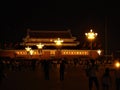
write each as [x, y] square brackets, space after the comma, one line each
[99, 52]
[58, 42]
[91, 36]
[40, 46]
[31, 52]
[117, 64]
[28, 49]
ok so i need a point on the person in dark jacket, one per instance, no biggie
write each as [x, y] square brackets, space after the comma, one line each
[92, 75]
[46, 65]
[62, 70]
[106, 79]
[117, 78]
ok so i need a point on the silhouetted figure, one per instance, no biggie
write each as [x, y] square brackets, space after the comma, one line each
[2, 74]
[62, 70]
[91, 72]
[33, 64]
[75, 61]
[46, 69]
[117, 78]
[106, 79]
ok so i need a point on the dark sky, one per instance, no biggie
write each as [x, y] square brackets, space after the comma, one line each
[80, 17]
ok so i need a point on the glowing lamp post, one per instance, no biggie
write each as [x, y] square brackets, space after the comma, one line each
[40, 47]
[117, 65]
[28, 49]
[99, 52]
[91, 36]
[31, 52]
[58, 42]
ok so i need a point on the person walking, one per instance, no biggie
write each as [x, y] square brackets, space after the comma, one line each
[46, 65]
[3, 75]
[62, 69]
[106, 79]
[92, 75]
[117, 78]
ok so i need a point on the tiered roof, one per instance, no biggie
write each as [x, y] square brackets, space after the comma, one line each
[47, 37]
[49, 34]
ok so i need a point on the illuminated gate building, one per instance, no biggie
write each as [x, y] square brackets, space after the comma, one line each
[50, 44]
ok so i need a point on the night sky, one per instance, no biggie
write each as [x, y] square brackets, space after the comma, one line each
[79, 17]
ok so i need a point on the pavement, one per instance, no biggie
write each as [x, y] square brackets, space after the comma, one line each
[75, 79]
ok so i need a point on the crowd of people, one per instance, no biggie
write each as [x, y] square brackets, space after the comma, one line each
[90, 67]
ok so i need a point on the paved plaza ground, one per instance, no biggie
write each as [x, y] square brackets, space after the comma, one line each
[75, 79]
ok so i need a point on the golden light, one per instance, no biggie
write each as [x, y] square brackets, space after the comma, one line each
[99, 52]
[31, 52]
[27, 48]
[91, 35]
[40, 45]
[117, 64]
[58, 42]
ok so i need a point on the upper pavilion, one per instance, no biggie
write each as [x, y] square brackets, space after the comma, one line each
[47, 37]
